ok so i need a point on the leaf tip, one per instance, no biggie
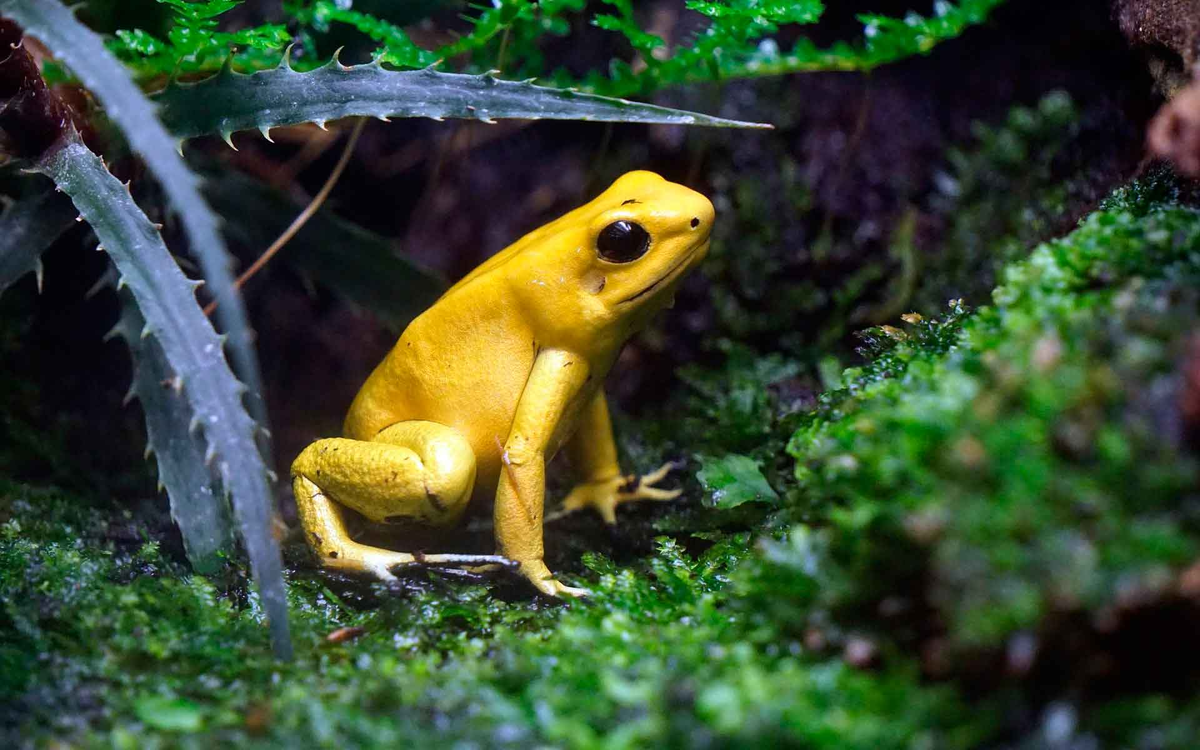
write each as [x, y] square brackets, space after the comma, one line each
[336, 61]
[285, 62]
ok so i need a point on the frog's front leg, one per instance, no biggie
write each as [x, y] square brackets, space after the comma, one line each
[556, 378]
[411, 471]
[593, 453]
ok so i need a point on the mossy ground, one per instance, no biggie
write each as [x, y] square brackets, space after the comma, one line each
[984, 536]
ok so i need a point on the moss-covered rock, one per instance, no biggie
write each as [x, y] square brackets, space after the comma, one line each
[984, 536]
[1016, 491]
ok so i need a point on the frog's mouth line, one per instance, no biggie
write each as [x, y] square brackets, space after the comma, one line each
[669, 273]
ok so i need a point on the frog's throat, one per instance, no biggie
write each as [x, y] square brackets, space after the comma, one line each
[671, 272]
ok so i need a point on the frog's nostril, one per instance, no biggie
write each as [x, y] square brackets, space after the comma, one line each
[695, 221]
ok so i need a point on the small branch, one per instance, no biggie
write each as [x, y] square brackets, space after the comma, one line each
[303, 218]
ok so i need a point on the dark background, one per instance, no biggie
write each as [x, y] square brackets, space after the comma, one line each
[802, 207]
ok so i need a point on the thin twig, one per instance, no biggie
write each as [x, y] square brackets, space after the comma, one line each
[299, 222]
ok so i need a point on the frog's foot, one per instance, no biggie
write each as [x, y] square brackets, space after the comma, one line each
[536, 572]
[372, 561]
[382, 564]
[606, 494]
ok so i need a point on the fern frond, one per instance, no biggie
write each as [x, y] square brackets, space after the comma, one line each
[397, 49]
[739, 43]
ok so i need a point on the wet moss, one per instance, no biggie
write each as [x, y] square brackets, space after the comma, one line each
[123, 647]
[984, 535]
[996, 486]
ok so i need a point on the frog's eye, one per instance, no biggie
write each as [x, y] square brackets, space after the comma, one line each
[622, 242]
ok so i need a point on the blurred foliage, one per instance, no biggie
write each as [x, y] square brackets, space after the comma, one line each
[194, 41]
[999, 197]
[31, 441]
[374, 276]
[1034, 467]
[510, 35]
[788, 273]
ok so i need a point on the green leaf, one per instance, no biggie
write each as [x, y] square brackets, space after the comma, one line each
[398, 49]
[166, 299]
[733, 480]
[230, 101]
[189, 10]
[198, 505]
[773, 11]
[169, 714]
[141, 42]
[741, 42]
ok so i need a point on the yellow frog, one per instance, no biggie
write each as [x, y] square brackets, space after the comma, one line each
[508, 366]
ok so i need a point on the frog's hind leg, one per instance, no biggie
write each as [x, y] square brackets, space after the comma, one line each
[412, 470]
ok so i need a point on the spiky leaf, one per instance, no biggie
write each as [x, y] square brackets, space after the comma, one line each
[27, 228]
[166, 298]
[198, 505]
[84, 52]
[231, 101]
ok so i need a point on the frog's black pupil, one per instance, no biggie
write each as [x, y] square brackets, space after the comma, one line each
[622, 242]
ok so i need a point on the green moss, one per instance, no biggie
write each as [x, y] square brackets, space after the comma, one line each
[989, 484]
[128, 648]
[1005, 471]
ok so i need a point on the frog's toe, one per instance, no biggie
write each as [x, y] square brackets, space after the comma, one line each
[385, 576]
[658, 474]
[607, 511]
[642, 488]
[486, 569]
[552, 587]
[572, 591]
[381, 571]
[655, 493]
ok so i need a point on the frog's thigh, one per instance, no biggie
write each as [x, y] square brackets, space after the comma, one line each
[411, 470]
